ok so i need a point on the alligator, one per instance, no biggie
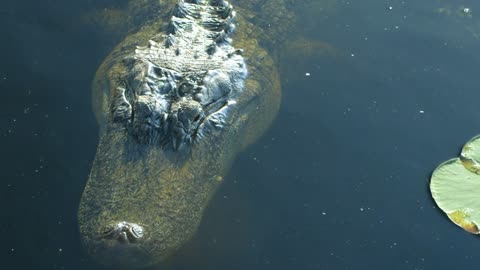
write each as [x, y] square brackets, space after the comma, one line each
[176, 101]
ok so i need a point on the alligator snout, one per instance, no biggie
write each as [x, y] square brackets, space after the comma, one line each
[121, 245]
[124, 232]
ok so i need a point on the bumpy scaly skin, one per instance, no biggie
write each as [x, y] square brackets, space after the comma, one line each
[175, 102]
[175, 106]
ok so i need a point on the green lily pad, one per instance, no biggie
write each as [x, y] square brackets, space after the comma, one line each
[456, 190]
[470, 155]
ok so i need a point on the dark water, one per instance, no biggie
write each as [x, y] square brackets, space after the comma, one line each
[340, 181]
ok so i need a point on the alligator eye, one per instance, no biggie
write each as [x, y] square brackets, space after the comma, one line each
[196, 118]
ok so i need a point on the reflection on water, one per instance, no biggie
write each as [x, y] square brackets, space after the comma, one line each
[339, 181]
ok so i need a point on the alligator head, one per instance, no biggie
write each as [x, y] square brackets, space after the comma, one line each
[173, 113]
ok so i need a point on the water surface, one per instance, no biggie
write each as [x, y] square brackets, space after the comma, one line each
[340, 181]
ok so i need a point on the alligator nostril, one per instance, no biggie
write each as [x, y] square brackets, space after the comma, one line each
[124, 232]
[136, 231]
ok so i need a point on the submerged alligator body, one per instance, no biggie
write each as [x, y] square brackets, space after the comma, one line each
[176, 102]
